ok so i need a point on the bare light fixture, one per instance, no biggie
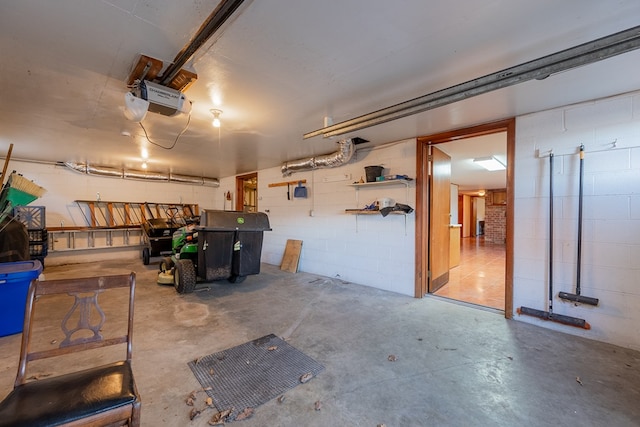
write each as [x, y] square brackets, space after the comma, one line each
[490, 163]
[216, 117]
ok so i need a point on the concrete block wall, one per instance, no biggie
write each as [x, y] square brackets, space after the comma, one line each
[610, 131]
[64, 186]
[380, 252]
[371, 250]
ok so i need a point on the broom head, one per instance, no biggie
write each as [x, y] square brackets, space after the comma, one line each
[19, 182]
[18, 191]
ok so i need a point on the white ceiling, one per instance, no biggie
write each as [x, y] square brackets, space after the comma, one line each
[278, 68]
[469, 176]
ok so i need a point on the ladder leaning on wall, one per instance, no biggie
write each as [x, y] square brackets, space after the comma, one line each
[112, 224]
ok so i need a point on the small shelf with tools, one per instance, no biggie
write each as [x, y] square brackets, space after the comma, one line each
[370, 212]
[382, 210]
[386, 182]
[383, 183]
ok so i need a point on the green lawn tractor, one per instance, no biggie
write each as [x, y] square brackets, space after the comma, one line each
[226, 245]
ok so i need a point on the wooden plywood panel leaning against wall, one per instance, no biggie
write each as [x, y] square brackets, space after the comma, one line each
[291, 256]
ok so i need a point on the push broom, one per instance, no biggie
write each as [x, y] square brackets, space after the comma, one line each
[18, 191]
[550, 315]
[565, 295]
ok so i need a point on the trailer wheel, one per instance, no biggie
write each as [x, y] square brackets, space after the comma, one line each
[166, 264]
[146, 256]
[236, 279]
[184, 278]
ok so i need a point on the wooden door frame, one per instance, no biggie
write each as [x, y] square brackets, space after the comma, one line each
[240, 179]
[422, 200]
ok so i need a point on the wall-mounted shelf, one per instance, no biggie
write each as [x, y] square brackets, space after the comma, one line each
[63, 239]
[368, 212]
[404, 182]
[385, 183]
[371, 212]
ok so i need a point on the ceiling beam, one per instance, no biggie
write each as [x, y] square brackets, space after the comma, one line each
[219, 16]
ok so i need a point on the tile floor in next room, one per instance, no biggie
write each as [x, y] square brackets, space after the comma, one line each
[480, 276]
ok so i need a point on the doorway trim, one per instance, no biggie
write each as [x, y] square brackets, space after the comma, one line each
[240, 179]
[422, 201]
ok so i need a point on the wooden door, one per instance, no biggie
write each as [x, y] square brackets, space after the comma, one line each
[439, 218]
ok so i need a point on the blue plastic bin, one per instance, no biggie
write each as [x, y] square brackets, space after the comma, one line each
[15, 278]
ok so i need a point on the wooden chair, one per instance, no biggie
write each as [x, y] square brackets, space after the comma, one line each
[98, 396]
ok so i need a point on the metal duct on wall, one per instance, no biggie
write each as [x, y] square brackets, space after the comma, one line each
[340, 157]
[141, 175]
[144, 175]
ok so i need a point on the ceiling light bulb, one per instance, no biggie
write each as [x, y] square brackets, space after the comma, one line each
[216, 117]
[144, 165]
[144, 153]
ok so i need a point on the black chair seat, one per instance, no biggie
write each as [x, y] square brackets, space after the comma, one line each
[55, 401]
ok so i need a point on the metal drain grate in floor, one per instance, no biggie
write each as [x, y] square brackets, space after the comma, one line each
[248, 375]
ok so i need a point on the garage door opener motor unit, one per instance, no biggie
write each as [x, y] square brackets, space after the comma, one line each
[148, 96]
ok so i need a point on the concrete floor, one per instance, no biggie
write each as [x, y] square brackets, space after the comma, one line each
[455, 366]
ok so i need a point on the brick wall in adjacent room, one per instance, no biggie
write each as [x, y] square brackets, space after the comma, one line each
[495, 223]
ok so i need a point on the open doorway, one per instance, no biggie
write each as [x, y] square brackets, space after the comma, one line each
[483, 258]
[247, 192]
[477, 226]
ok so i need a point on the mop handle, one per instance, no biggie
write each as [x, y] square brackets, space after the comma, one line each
[551, 233]
[579, 252]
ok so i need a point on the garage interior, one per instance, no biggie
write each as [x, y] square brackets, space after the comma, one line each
[280, 110]
[454, 364]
